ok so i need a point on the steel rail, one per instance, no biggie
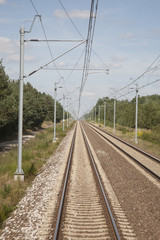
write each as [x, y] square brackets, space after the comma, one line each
[101, 186]
[55, 237]
[134, 159]
[130, 145]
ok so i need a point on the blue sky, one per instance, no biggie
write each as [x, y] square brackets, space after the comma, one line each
[126, 38]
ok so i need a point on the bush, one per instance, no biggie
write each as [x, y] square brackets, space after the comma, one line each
[5, 211]
[153, 137]
[6, 190]
[29, 169]
[122, 129]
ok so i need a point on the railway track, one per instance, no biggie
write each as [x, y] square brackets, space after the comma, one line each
[148, 162]
[84, 211]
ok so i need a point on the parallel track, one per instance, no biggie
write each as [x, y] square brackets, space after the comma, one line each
[84, 211]
[148, 162]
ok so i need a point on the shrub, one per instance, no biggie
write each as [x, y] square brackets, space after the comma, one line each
[153, 137]
[5, 211]
[6, 190]
[30, 169]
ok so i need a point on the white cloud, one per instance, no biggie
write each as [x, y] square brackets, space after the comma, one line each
[7, 46]
[126, 36]
[29, 58]
[88, 94]
[118, 58]
[61, 64]
[16, 58]
[2, 1]
[116, 61]
[114, 65]
[75, 13]
[10, 49]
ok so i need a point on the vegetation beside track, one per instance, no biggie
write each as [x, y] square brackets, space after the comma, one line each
[35, 154]
[148, 140]
[148, 119]
[37, 107]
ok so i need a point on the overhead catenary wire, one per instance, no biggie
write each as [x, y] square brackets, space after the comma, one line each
[143, 74]
[157, 80]
[45, 35]
[34, 7]
[79, 31]
[89, 40]
[70, 19]
[45, 65]
[91, 28]
[101, 59]
[74, 68]
[88, 49]
[149, 84]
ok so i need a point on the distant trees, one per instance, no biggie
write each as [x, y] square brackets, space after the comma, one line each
[148, 111]
[37, 106]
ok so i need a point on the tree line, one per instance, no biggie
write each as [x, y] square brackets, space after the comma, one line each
[37, 106]
[148, 112]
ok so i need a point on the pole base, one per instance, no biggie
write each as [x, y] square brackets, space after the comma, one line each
[54, 140]
[19, 177]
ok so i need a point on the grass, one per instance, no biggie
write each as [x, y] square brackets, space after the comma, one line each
[148, 140]
[35, 154]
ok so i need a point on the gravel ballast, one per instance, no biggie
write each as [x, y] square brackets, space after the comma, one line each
[137, 194]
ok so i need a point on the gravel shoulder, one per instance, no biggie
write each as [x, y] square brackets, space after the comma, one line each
[33, 217]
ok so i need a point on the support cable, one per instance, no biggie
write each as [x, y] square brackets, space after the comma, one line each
[89, 42]
[44, 32]
[45, 65]
[145, 72]
[139, 88]
[70, 19]
[80, 33]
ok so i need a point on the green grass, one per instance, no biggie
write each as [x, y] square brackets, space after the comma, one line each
[35, 154]
[148, 140]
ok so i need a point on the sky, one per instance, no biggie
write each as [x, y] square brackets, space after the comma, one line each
[126, 41]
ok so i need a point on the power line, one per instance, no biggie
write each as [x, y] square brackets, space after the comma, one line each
[74, 68]
[139, 88]
[101, 59]
[45, 35]
[70, 19]
[91, 28]
[79, 31]
[34, 7]
[50, 49]
[45, 65]
[149, 84]
[145, 72]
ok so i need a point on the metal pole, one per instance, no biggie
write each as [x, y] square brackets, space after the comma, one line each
[114, 129]
[99, 115]
[68, 118]
[136, 120]
[55, 94]
[67, 114]
[63, 111]
[19, 172]
[104, 114]
[95, 114]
